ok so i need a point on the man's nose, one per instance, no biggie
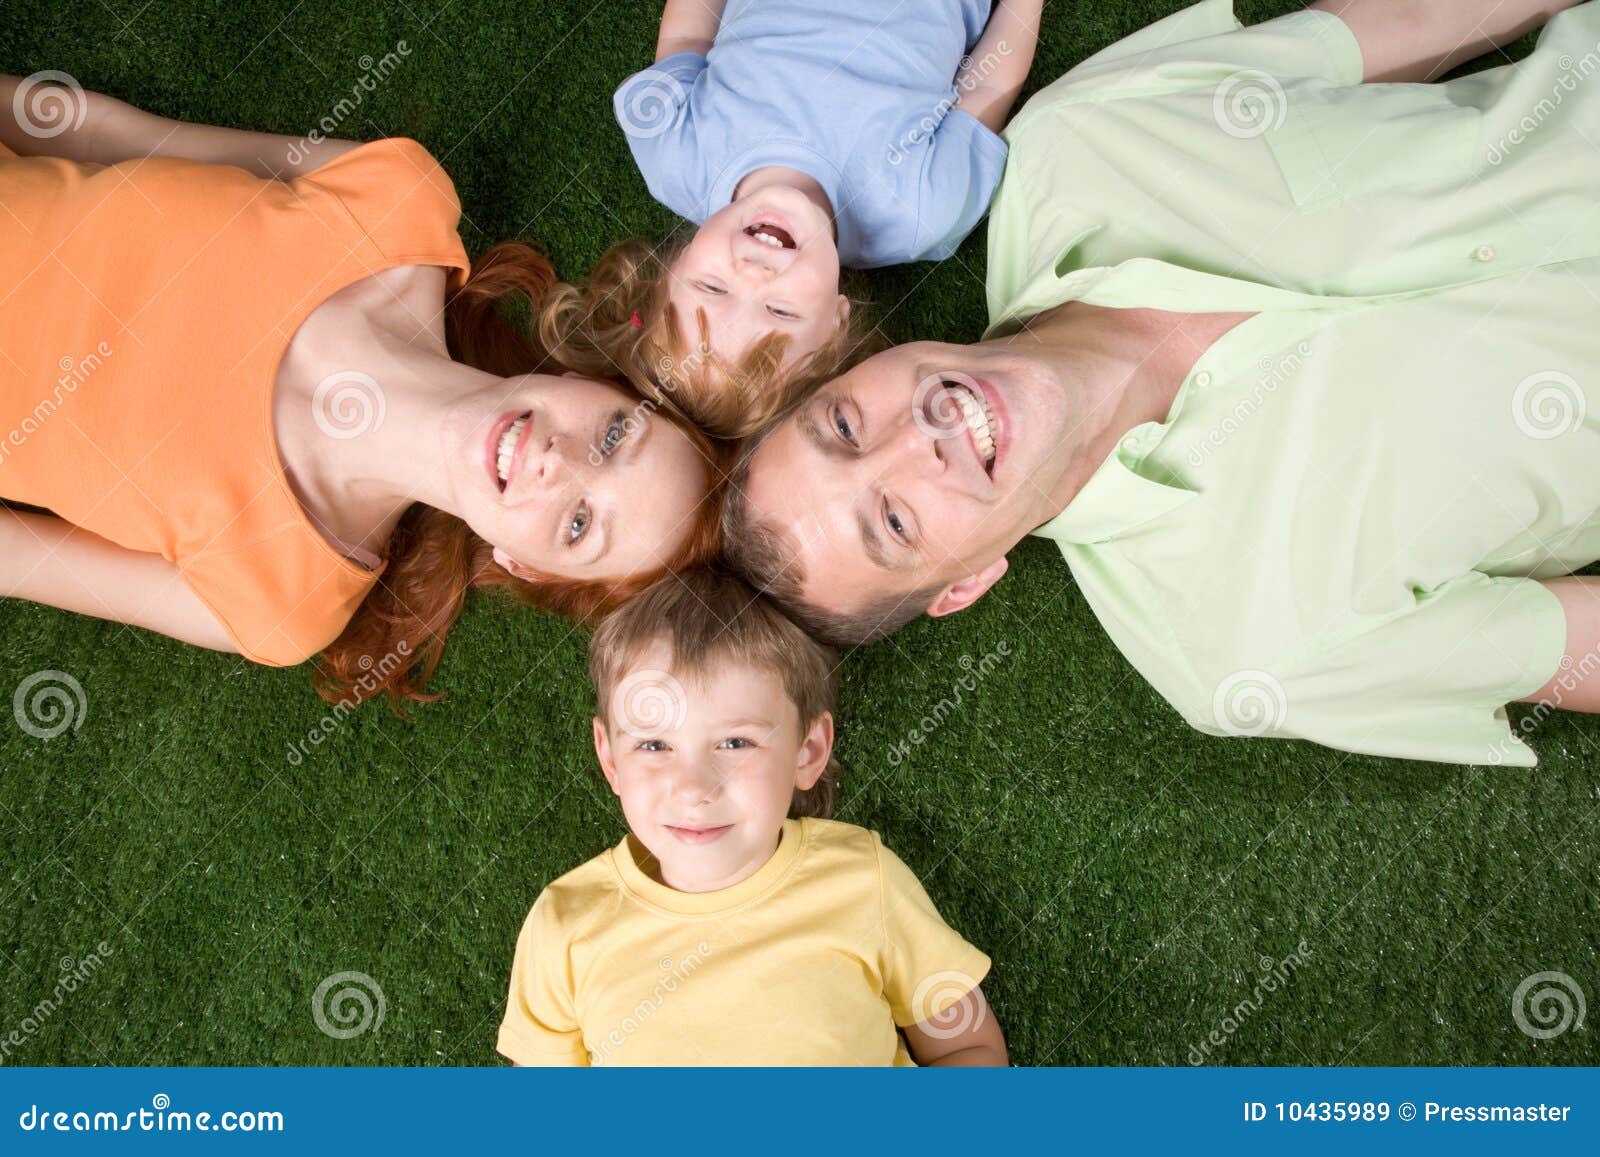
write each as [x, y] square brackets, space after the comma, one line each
[907, 446]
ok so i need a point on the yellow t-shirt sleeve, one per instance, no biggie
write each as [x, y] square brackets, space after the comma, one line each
[927, 965]
[541, 1025]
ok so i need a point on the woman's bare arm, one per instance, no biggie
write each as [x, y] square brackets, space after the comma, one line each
[98, 129]
[48, 560]
[1421, 40]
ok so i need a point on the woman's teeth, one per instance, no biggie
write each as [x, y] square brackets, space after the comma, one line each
[979, 419]
[508, 448]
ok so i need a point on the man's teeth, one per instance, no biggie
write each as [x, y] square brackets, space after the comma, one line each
[508, 447]
[980, 420]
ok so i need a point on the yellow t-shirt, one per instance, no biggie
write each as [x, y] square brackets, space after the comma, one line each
[813, 960]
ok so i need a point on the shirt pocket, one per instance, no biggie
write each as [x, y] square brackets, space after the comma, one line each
[1340, 144]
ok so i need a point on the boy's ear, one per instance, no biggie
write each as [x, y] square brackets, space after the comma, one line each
[602, 749]
[815, 751]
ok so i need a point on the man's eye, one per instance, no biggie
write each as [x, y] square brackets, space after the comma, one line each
[614, 433]
[579, 524]
[842, 424]
[735, 744]
[894, 522]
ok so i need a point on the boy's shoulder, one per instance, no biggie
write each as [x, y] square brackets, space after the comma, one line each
[591, 886]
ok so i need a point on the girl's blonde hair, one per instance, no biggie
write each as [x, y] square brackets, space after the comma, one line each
[620, 322]
[707, 619]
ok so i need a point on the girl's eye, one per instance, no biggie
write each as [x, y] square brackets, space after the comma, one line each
[614, 433]
[783, 313]
[842, 424]
[735, 744]
[579, 524]
[707, 287]
[894, 522]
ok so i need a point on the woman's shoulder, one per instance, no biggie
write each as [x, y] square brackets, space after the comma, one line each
[399, 195]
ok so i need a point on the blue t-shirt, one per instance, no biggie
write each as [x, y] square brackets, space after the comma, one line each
[857, 94]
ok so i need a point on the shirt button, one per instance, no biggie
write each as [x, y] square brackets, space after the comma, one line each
[1202, 379]
[1483, 253]
[1130, 443]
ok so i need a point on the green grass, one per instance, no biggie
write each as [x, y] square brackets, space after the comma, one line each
[1126, 873]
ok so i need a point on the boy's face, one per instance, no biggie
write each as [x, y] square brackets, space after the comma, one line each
[766, 263]
[706, 770]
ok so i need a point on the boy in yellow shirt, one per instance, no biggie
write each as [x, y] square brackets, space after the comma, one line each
[735, 925]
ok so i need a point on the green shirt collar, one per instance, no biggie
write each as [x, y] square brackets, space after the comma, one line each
[1117, 498]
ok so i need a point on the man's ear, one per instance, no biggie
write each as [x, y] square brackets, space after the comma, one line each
[602, 749]
[959, 596]
[815, 751]
[507, 563]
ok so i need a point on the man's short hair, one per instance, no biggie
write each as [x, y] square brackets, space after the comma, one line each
[768, 558]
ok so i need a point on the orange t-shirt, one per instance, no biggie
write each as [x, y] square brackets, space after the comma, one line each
[146, 308]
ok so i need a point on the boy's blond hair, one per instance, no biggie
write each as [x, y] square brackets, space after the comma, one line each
[707, 618]
[591, 326]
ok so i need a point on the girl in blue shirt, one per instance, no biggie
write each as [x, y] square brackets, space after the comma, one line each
[799, 137]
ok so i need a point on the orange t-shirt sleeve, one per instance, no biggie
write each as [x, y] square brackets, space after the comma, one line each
[402, 199]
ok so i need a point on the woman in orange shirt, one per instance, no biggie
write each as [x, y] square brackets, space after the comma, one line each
[266, 409]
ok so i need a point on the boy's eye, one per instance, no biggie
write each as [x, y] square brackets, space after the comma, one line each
[578, 524]
[651, 745]
[736, 743]
[842, 424]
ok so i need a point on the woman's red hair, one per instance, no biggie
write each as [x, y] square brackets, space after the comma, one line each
[395, 640]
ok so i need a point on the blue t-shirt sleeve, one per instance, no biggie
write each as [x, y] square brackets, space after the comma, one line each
[655, 110]
[960, 172]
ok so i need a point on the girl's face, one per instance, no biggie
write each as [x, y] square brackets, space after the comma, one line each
[766, 263]
[706, 770]
[572, 478]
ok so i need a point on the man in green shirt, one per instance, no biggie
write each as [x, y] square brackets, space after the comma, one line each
[1302, 374]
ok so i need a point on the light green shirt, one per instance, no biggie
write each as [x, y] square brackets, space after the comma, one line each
[1335, 535]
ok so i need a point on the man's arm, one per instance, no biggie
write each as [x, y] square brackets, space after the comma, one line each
[1421, 40]
[48, 560]
[964, 1035]
[1576, 684]
[993, 75]
[689, 26]
[102, 130]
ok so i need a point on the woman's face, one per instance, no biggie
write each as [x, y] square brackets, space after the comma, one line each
[570, 477]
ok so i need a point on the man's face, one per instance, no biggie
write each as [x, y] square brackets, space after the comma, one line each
[922, 466]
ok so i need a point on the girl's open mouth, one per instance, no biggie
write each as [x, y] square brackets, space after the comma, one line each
[770, 235]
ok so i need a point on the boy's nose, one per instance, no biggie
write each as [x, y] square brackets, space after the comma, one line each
[695, 782]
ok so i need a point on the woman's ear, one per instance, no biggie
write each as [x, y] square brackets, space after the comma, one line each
[512, 566]
[602, 749]
[816, 748]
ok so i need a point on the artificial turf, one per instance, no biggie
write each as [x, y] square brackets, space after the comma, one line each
[1133, 880]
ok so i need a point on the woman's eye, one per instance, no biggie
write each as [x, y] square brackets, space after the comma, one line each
[734, 744]
[842, 424]
[614, 433]
[579, 523]
[707, 287]
[783, 313]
